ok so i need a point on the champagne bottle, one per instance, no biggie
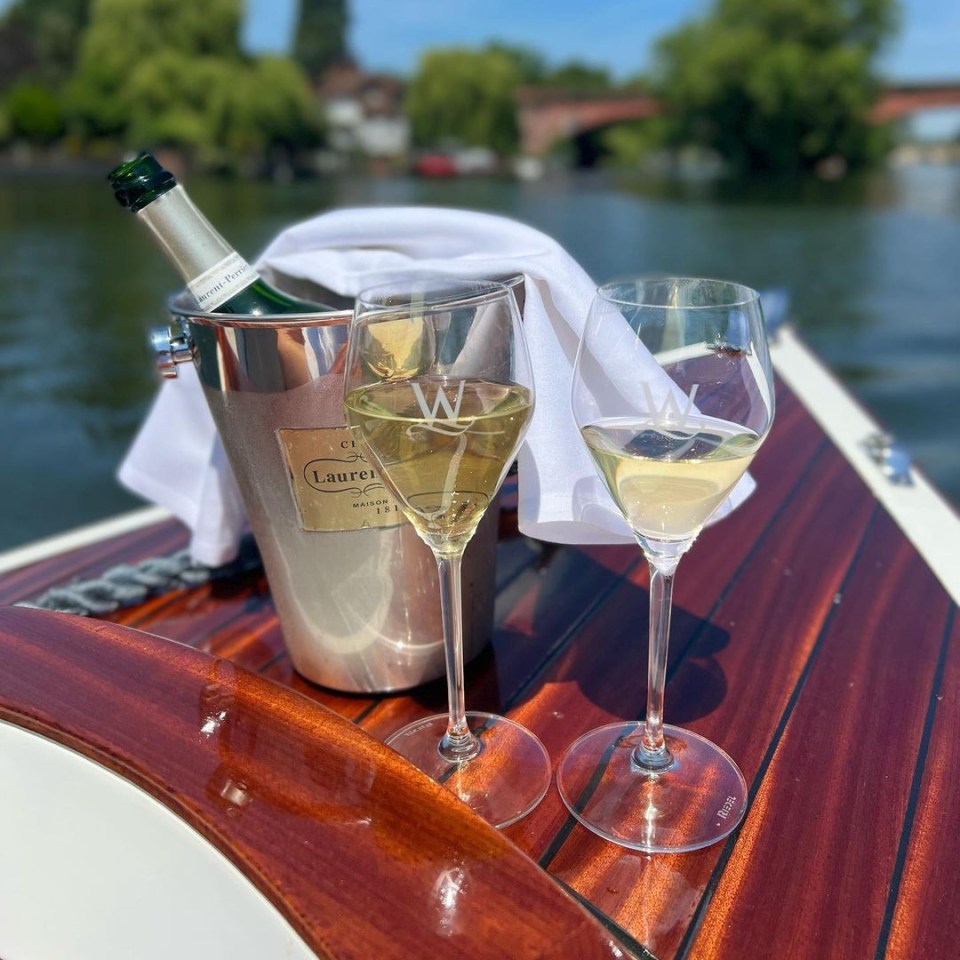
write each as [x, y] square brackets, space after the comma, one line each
[218, 277]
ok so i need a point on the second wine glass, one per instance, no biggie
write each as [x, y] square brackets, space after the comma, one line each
[439, 392]
[673, 395]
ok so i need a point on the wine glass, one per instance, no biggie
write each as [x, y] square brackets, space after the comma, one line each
[439, 391]
[673, 395]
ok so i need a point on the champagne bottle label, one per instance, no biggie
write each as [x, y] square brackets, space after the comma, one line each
[335, 487]
[222, 281]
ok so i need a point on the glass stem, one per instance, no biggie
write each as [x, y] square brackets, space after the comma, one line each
[458, 743]
[652, 753]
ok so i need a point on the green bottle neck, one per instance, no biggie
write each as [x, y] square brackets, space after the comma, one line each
[213, 271]
[218, 277]
[138, 182]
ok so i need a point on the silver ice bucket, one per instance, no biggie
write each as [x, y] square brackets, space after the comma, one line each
[355, 588]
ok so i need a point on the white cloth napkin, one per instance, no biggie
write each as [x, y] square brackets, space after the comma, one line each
[176, 460]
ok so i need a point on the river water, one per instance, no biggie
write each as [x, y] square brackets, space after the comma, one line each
[872, 267]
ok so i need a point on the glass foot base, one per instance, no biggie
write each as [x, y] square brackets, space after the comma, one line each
[503, 783]
[699, 799]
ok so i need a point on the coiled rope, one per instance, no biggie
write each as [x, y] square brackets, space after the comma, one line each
[126, 585]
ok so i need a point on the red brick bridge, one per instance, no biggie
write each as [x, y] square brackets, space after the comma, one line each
[546, 116]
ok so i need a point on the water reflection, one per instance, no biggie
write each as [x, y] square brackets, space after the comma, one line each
[869, 263]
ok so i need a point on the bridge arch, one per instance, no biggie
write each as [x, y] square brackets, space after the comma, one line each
[545, 116]
[903, 99]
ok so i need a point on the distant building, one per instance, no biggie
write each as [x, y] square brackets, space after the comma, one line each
[364, 112]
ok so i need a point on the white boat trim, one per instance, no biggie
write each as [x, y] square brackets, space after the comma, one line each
[80, 537]
[923, 515]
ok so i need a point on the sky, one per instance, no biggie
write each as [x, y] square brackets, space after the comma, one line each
[388, 35]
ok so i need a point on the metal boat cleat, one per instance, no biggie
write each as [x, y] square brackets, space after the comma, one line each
[891, 457]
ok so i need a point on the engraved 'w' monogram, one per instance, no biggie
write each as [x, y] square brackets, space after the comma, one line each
[671, 409]
[430, 414]
[451, 410]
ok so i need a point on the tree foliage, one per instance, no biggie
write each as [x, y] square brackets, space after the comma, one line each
[39, 41]
[466, 96]
[216, 112]
[320, 38]
[529, 63]
[580, 78]
[163, 72]
[123, 39]
[34, 113]
[777, 85]
[38, 44]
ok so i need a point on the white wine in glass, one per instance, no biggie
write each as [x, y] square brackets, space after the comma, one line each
[673, 395]
[443, 445]
[439, 391]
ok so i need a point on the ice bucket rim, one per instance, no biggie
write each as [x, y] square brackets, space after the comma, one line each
[182, 305]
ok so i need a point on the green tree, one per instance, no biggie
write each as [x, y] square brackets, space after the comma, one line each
[580, 78]
[33, 113]
[162, 72]
[217, 113]
[38, 44]
[122, 38]
[39, 40]
[529, 63]
[321, 35]
[628, 144]
[467, 96]
[777, 85]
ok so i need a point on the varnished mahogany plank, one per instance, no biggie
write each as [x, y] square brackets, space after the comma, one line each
[760, 653]
[253, 639]
[196, 616]
[731, 678]
[923, 915]
[813, 864]
[351, 706]
[328, 823]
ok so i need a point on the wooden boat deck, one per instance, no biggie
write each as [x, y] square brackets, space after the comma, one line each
[810, 640]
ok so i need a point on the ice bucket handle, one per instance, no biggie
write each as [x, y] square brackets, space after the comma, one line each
[170, 348]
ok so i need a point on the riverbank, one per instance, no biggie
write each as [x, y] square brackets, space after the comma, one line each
[24, 160]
